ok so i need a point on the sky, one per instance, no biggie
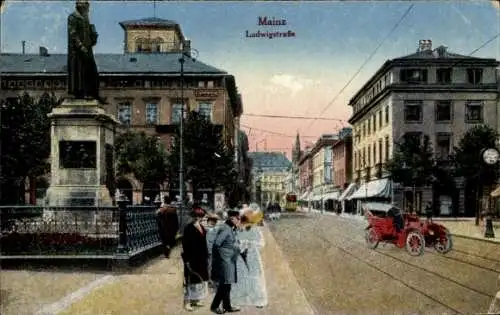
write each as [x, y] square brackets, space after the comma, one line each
[313, 74]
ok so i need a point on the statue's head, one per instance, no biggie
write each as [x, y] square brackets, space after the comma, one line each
[82, 6]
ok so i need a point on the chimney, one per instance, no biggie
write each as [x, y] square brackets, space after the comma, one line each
[23, 44]
[441, 50]
[424, 45]
[186, 47]
[43, 51]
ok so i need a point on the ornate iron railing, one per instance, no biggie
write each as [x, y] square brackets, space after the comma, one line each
[92, 232]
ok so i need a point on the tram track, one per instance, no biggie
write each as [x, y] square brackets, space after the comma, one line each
[350, 250]
[455, 251]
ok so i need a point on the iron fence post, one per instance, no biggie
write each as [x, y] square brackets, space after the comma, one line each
[122, 208]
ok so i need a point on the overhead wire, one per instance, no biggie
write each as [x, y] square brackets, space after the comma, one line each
[293, 117]
[275, 133]
[365, 62]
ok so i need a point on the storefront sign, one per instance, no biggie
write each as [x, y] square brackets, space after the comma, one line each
[206, 93]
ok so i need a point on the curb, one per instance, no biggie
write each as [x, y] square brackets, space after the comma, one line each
[476, 239]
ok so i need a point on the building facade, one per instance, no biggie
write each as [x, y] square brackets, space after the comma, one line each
[294, 172]
[141, 87]
[305, 177]
[432, 92]
[269, 170]
[323, 186]
[342, 160]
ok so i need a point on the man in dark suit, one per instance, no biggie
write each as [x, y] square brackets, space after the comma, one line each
[225, 252]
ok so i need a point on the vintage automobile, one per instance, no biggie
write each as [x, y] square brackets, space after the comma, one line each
[387, 223]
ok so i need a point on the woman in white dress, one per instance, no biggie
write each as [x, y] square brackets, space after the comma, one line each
[250, 288]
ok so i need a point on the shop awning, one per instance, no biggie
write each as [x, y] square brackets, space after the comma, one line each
[348, 191]
[380, 188]
[495, 193]
[315, 198]
[305, 196]
[331, 196]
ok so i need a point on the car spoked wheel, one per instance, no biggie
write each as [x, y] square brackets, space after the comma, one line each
[444, 243]
[415, 243]
[371, 238]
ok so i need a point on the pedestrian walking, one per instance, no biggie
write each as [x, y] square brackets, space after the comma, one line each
[250, 290]
[429, 210]
[225, 252]
[195, 258]
[212, 229]
[168, 225]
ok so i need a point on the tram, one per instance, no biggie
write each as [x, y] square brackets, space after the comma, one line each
[291, 202]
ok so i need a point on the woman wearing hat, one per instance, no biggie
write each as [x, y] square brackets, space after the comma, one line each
[250, 290]
[195, 257]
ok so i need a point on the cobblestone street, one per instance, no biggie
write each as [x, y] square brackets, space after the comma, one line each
[340, 275]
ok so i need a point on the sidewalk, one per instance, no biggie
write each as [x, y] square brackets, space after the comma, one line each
[468, 229]
[462, 227]
[157, 289]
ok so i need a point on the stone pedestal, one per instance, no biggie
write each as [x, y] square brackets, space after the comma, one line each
[82, 154]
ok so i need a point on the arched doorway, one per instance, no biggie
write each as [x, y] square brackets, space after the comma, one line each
[445, 195]
[41, 186]
[149, 192]
[126, 188]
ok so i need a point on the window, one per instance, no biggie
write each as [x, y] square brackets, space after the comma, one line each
[380, 119]
[443, 111]
[369, 121]
[387, 148]
[413, 75]
[363, 159]
[474, 76]
[387, 114]
[369, 153]
[443, 76]
[210, 84]
[205, 110]
[413, 111]
[380, 150]
[374, 153]
[364, 131]
[375, 122]
[474, 111]
[413, 137]
[124, 113]
[443, 145]
[151, 113]
[176, 113]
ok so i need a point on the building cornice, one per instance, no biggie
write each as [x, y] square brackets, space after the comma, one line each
[421, 88]
[416, 62]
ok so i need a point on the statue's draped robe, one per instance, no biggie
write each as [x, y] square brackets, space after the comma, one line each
[83, 78]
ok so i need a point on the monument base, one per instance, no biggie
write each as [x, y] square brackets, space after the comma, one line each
[84, 196]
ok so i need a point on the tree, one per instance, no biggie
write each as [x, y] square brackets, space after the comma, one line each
[207, 161]
[141, 155]
[469, 163]
[25, 142]
[412, 163]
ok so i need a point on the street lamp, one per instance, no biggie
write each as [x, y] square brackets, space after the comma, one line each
[182, 60]
[490, 156]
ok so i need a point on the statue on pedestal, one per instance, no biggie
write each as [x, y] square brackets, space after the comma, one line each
[83, 78]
